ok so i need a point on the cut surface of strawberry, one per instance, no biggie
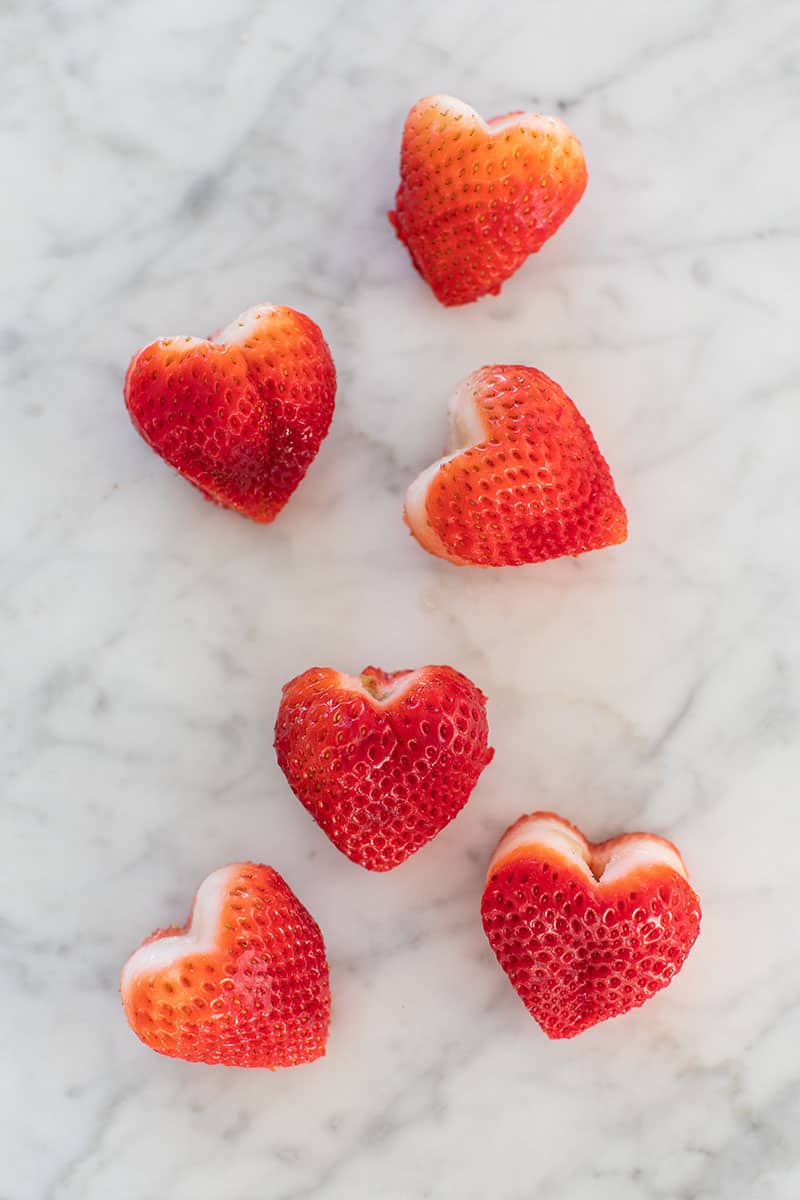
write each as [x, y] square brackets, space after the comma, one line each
[242, 414]
[477, 197]
[586, 931]
[243, 983]
[523, 480]
[382, 760]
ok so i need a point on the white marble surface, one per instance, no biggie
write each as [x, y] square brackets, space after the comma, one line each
[168, 164]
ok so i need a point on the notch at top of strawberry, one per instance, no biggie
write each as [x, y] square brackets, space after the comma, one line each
[477, 197]
[241, 414]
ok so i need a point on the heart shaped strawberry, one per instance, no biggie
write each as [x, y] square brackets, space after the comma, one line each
[524, 481]
[244, 983]
[586, 931]
[382, 761]
[477, 197]
[242, 414]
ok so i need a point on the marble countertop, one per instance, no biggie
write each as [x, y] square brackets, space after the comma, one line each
[169, 164]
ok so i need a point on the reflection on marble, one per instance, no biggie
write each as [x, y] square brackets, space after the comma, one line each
[169, 164]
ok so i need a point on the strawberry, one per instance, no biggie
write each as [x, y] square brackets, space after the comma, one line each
[525, 480]
[382, 761]
[241, 415]
[243, 983]
[586, 931]
[477, 197]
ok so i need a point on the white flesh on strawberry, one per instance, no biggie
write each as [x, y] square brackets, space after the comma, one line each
[466, 429]
[403, 684]
[603, 864]
[236, 333]
[200, 937]
[450, 108]
[245, 325]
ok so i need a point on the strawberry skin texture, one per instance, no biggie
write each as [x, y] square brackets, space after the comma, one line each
[240, 415]
[385, 760]
[535, 487]
[579, 949]
[477, 197]
[251, 990]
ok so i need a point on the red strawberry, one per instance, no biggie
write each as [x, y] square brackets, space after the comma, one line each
[525, 481]
[241, 415]
[586, 931]
[382, 761]
[477, 197]
[243, 983]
